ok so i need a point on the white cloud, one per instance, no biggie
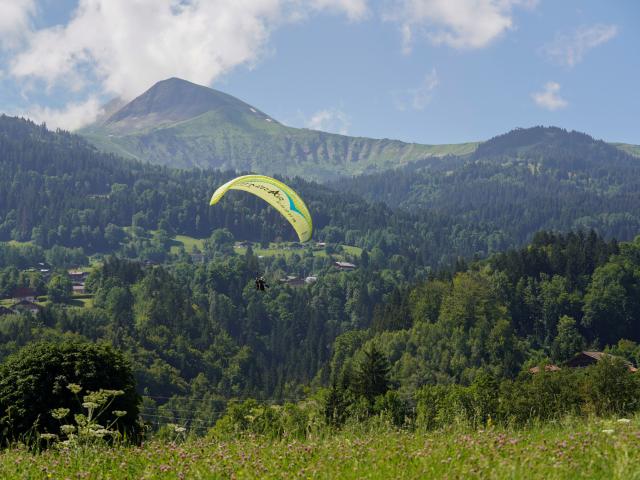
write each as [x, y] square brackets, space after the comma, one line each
[463, 24]
[570, 49]
[14, 20]
[74, 115]
[329, 120]
[549, 97]
[126, 46]
[354, 9]
[417, 98]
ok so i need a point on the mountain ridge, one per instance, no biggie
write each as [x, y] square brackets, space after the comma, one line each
[181, 124]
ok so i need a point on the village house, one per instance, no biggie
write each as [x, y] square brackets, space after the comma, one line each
[23, 294]
[581, 360]
[547, 368]
[584, 359]
[344, 265]
[77, 276]
[293, 281]
[26, 306]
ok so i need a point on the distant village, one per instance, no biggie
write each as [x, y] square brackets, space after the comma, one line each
[24, 299]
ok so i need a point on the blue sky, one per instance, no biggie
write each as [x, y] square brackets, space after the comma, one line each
[429, 71]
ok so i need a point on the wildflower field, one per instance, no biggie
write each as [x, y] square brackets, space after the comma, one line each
[606, 449]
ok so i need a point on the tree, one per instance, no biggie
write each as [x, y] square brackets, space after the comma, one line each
[221, 241]
[568, 342]
[371, 377]
[59, 288]
[36, 380]
[611, 304]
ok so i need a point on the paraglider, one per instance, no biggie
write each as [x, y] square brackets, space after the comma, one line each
[278, 195]
[261, 283]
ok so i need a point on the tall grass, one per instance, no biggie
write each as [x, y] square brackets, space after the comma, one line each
[565, 449]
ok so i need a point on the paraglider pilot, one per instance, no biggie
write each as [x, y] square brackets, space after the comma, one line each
[260, 283]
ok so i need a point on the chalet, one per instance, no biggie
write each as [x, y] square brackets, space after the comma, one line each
[547, 368]
[293, 281]
[24, 293]
[26, 306]
[78, 276]
[5, 311]
[344, 265]
[584, 359]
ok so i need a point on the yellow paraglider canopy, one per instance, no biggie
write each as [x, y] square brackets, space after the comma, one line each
[278, 195]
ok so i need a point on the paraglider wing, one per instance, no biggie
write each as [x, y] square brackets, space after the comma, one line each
[276, 194]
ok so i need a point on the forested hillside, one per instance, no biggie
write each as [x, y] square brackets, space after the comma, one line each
[198, 333]
[57, 190]
[521, 182]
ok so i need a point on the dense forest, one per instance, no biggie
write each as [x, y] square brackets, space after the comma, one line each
[519, 183]
[198, 333]
[59, 191]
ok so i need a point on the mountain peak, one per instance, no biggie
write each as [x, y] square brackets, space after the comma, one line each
[522, 140]
[170, 101]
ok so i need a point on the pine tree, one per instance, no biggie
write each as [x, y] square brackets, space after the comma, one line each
[371, 377]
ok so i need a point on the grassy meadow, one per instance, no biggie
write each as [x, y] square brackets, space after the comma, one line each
[275, 249]
[598, 449]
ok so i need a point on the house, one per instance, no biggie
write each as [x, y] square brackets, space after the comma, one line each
[547, 368]
[5, 311]
[79, 289]
[311, 279]
[584, 359]
[344, 265]
[24, 293]
[26, 306]
[78, 276]
[293, 281]
[321, 244]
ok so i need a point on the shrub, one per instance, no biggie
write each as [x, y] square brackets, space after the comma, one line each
[34, 382]
[543, 396]
[392, 407]
[610, 389]
[273, 421]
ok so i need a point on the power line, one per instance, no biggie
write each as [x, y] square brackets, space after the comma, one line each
[208, 399]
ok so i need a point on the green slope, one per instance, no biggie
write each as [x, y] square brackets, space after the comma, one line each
[183, 125]
[629, 148]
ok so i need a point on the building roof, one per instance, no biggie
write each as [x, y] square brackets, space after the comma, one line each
[344, 265]
[77, 273]
[590, 357]
[23, 292]
[547, 368]
[26, 304]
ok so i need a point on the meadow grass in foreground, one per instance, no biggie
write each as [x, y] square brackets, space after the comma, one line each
[573, 449]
